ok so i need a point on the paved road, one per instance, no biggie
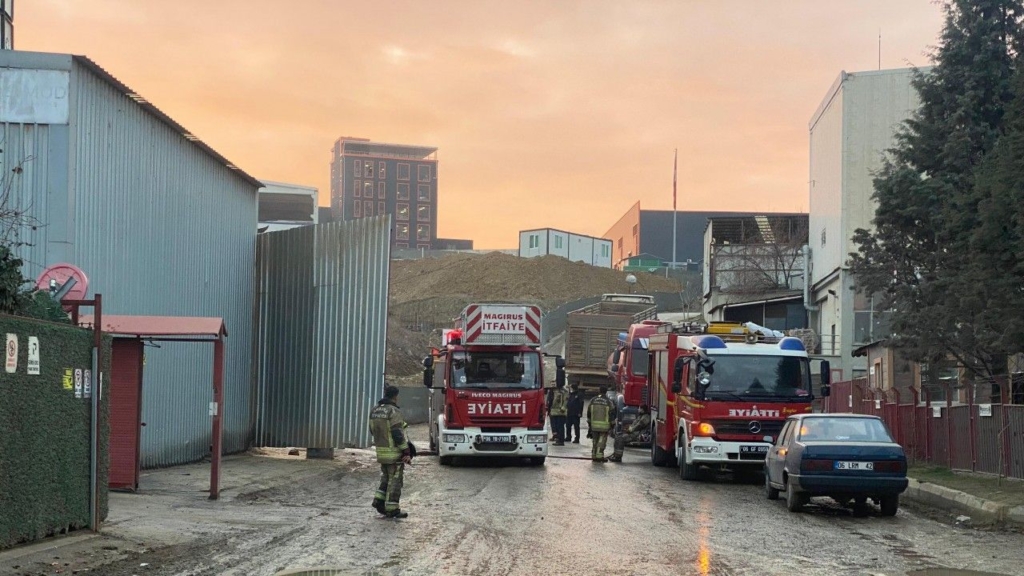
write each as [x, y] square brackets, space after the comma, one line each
[568, 517]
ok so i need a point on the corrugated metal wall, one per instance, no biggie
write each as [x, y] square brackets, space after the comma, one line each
[161, 228]
[322, 300]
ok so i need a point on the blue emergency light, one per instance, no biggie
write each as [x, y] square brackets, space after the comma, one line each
[790, 343]
[707, 341]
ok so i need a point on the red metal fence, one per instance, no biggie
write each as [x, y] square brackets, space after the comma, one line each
[980, 438]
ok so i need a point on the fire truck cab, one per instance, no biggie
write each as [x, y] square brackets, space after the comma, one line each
[721, 392]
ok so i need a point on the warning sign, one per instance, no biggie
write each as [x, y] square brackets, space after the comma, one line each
[78, 382]
[33, 355]
[69, 379]
[12, 353]
[88, 383]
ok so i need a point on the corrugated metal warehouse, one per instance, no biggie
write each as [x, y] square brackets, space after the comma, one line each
[160, 222]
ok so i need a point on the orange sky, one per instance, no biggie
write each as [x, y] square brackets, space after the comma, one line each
[555, 113]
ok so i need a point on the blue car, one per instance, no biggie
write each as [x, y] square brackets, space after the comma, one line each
[847, 457]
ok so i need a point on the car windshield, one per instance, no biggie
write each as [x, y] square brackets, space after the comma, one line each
[495, 370]
[638, 364]
[784, 378]
[824, 429]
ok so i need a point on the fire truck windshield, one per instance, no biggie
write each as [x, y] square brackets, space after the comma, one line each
[785, 378]
[495, 370]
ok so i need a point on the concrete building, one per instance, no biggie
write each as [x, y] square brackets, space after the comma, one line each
[161, 224]
[754, 270]
[849, 132]
[575, 247]
[283, 206]
[374, 178]
[649, 233]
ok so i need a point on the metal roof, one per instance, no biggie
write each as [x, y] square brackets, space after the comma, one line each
[152, 109]
[157, 326]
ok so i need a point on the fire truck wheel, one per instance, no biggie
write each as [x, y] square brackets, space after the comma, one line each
[770, 492]
[537, 461]
[659, 457]
[447, 460]
[689, 472]
[794, 500]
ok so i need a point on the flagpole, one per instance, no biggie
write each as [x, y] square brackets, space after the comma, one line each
[675, 169]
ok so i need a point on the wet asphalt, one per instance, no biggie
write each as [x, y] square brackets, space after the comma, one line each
[570, 516]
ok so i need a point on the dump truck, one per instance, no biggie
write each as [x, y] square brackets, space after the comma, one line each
[591, 335]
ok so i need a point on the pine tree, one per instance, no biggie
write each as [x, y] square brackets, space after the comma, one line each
[919, 253]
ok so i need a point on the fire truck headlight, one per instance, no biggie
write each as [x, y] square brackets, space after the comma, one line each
[705, 449]
[536, 438]
[705, 429]
[454, 438]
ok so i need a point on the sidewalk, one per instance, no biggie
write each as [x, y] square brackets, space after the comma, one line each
[983, 498]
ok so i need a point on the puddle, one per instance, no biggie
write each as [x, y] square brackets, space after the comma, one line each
[950, 572]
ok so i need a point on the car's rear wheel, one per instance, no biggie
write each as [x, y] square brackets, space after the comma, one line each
[770, 492]
[890, 504]
[794, 500]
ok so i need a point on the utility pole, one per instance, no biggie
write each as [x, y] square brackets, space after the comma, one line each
[675, 171]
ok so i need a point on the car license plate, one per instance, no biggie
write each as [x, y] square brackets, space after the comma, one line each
[754, 449]
[854, 465]
[499, 439]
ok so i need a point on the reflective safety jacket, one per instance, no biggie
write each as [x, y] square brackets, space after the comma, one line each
[559, 402]
[600, 414]
[387, 426]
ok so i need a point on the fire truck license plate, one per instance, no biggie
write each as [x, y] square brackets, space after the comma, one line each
[754, 449]
[492, 438]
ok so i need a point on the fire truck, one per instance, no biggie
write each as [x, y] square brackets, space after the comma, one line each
[721, 392]
[627, 367]
[487, 386]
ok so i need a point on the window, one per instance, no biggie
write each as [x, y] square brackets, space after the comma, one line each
[367, 189]
[423, 192]
[606, 250]
[870, 319]
[402, 246]
[534, 240]
[358, 189]
[635, 229]
[423, 213]
[403, 171]
[822, 236]
[558, 242]
[381, 208]
[402, 231]
[843, 430]
[496, 370]
[620, 244]
[423, 232]
[368, 169]
[368, 208]
[381, 191]
[357, 168]
[423, 173]
[382, 169]
[402, 212]
[403, 191]
[423, 246]
[357, 209]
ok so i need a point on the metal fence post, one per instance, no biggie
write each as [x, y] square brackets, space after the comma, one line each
[949, 425]
[973, 425]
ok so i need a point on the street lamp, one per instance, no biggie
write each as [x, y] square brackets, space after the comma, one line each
[631, 280]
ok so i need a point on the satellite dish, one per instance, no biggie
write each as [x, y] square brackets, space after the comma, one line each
[66, 280]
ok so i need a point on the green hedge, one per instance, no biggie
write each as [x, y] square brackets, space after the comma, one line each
[44, 434]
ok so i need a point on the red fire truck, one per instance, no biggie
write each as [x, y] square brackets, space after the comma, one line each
[627, 367]
[721, 392]
[487, 386]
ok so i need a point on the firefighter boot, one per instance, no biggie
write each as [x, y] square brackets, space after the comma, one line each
[615, 458]
[397, 514]
[378, 505]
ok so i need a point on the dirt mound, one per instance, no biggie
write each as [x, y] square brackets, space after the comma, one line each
[427, 294]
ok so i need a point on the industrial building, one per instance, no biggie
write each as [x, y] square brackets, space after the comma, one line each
[283, 206]
[849, 132]
[575, 247]
[753, 270]
[649, 233]
[161, 224]
[6, 24]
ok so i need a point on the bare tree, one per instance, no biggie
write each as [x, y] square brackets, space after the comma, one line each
[14, 216]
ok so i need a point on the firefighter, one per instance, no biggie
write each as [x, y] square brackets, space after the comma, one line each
[574, 412]
[600, 416]
[557, 409]
[387, 426]
[631, 434]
